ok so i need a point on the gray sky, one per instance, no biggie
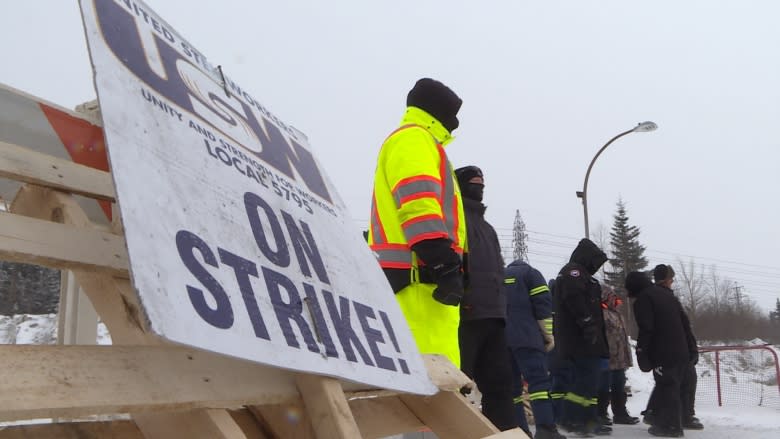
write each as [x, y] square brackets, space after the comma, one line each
[544, 84]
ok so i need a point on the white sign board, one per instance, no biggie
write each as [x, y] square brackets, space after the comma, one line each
[238, 242]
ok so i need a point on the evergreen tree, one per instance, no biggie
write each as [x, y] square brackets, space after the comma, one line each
[774, 316]
[519, 238]
[627, 252]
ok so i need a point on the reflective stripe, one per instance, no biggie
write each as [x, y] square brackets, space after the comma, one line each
[536, 396]
[393, 255]
[539, 290]
[416, 187]
[518, 399]
[548, 325]
[377, 231]
[579, 400]
[557, 395]
[424, 227]
[449, 204]
[510, 280]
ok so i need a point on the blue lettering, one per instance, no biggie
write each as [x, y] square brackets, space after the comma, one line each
[343, 324]
[122, 35]
[290, 311]
[304, 245]
[280, 257]
[222, 315]
[242, 269]
[372, 335]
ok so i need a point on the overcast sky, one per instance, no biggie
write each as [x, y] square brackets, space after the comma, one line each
[544, 85]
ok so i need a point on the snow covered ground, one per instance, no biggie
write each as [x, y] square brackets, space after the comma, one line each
[747, 380]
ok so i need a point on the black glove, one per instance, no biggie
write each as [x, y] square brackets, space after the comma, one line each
[591, 333]
[449, 285]
[694, 358]
[644, 362]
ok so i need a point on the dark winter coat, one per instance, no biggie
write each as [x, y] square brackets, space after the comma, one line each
[617, 338]
[664, 332]
[528, 300]
[577, 304]
[485, 297]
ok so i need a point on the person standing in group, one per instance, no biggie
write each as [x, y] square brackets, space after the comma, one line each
[559, 367]
[580, 338]
[483, 353]
[663, 275]
[613, 380]
[417, 225]
[529, 335]
[662, 347]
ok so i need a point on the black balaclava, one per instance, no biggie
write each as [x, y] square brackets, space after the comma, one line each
[472, 191]
[438, 100]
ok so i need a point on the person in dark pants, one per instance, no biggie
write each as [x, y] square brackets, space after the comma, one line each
[484, 355]
[529, 335]
[560, 370]
[579, 334]
[663, 275]
[613, 380]
[662, 347]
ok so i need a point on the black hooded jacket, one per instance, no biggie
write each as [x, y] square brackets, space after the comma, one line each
[577, 303]
[485, 297]
[665, 336]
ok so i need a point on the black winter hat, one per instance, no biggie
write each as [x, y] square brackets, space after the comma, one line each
[636, 281]
[437, 99]
[662, 272]
[466, 173]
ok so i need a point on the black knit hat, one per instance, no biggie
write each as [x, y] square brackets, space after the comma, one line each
[636, 281]
[438, 100]
[466, 173]
[662, 272]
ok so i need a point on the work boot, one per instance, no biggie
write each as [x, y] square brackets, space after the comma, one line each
[579, 430]
[648, 417]
[657, 430]
[547, 432]
[598, 429]
[692, 423]
[601, 408]
[625, 419]
[619, 411]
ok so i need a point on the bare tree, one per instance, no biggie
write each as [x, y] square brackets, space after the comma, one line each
[692, 288]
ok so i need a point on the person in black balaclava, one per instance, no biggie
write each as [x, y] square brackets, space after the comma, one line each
[483, 348]
[580, 336]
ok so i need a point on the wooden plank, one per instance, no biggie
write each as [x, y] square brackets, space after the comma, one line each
[327, 407]
[450, 415]
[39, 242]
[212, 424]
[247, 422]
[74, 381]
[28, 166]
[74, 430]
[383, 416]
[285, 421]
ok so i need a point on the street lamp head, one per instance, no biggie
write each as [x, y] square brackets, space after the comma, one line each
[645, 127]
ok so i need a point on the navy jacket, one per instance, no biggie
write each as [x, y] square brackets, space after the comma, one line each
[528, 300]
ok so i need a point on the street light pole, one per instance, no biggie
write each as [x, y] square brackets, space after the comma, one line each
[640, 128]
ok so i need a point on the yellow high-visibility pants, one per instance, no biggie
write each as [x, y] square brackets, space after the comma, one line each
[434, 325]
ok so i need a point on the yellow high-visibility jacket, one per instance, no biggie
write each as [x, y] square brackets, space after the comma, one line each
[416, 197]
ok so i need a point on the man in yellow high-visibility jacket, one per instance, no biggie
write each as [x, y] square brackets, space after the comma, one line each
[417, 226]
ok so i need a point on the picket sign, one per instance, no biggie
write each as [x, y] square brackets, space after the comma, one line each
[160, 242]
